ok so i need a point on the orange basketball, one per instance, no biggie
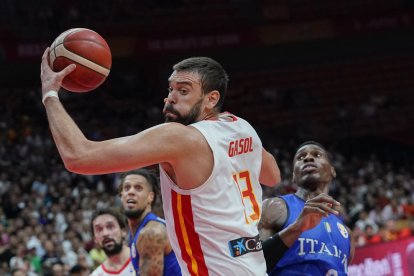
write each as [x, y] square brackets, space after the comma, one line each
[91, 54]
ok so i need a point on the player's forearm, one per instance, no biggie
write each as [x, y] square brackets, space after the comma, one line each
[273, 250]
[69, 139]
[290, 234]
[275, 247]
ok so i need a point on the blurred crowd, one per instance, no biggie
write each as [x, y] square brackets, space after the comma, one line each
[45, 211]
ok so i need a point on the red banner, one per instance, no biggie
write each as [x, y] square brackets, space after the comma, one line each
[385, 259]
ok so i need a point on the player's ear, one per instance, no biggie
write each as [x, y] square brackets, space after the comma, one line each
[124, 233]
[151, 196]
[212, 99]
[333, 172]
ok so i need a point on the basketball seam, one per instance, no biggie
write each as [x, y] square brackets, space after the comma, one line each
[61, 49]
[63, 43]
[89, 40]
[75, 30]
[81, 56]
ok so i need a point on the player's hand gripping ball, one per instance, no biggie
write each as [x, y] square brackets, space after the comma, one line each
[91, 54]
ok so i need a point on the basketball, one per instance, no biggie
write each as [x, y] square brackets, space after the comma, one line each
[91, 54]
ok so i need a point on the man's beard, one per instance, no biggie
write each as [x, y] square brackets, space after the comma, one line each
[188, 119]
[134, 214]
[116, 249]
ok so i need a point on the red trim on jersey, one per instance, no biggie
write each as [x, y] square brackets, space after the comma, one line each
[228, 114]
[118, 271]
[234, 118]
[188, 239]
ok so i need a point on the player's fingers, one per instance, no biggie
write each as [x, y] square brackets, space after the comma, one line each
[325, 198]
[44, 63]
[326, 208]
[315, 210]
[67, 70]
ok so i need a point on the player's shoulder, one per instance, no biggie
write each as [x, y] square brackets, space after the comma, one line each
[274, 203]
[274, 212]
[177, 130]
[152, 229]
[153, 235]
[178, 137]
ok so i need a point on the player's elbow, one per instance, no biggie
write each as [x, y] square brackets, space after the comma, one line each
[271, 178]
[72, 165]
[80, 166]
[269, 172]
[275, 179]
[270, 175]
[76, 161]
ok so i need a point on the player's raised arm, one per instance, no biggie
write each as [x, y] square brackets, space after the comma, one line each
[80, 155]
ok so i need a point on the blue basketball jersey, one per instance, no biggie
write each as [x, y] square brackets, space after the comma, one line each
[171, 267]
[323, 250]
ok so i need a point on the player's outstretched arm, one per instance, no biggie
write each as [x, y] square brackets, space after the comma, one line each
[162, 143]
[151, 244]
[269, 172]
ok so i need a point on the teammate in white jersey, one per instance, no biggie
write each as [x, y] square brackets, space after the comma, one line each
[109, 232]
[211, 170]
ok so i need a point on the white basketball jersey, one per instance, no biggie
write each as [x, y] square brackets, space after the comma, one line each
[213, 228]
[126, 270]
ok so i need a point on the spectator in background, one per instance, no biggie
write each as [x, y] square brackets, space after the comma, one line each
[359, 237]
[58, 269]
[33, 259]
[364, 220]
[376, 215]
[392, 211]
[371, 236]
[408, 208]
[18, 272]
[5, 252]
[78, 270]
[50, 257]
[19, 260]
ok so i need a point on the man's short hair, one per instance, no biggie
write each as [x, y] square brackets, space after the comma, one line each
[312, 142]
[119, 218]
